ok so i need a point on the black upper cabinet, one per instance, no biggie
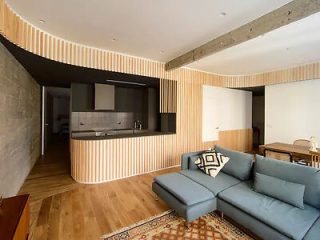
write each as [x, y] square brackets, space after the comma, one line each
[129, 99]
[126, 99]
[82, 97]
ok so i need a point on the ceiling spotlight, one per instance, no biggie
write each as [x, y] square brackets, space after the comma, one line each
[161, 52]
[42, 21]
[113, 39]
[223, 14]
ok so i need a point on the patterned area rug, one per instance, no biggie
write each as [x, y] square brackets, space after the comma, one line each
[169, 226]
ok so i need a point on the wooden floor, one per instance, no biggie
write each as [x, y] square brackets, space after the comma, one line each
[64, 209]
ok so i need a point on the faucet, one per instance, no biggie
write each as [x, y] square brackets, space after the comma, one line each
[137, 124]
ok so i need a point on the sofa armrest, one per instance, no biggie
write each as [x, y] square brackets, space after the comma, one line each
[185, 159]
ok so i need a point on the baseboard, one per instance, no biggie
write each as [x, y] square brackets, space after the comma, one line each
[134, 175]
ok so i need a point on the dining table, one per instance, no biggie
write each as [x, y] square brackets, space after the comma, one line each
[297, 151]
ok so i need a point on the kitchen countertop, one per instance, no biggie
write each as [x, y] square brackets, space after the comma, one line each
[103, 130]
[132, 135]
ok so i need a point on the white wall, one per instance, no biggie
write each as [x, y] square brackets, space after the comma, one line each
[225, 109]
[292, 111]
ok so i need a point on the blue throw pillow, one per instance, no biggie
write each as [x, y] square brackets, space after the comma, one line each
[239, 165]
[282, 190]
[307, 176]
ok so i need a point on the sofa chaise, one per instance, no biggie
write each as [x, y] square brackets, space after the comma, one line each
[192, 193]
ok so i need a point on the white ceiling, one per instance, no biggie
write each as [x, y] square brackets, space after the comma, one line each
[145, 28]
[291, 45]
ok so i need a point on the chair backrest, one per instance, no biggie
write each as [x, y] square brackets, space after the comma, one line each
[284, 156]
[302, 142]
[315, 159]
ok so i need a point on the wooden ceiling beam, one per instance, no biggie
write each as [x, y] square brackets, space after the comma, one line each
[291, 12]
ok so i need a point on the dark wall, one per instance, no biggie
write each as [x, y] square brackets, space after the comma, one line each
[168, 122]
[153, 108]
[142, 101]
[129, 99]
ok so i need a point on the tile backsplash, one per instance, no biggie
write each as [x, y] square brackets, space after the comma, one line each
[82, 121]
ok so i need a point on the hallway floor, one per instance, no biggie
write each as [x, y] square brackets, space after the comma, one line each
[64, 209]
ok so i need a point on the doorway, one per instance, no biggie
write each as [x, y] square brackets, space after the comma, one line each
[258, 116]
[55, 116]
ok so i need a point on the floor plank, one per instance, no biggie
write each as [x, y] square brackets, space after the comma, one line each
[64, 209]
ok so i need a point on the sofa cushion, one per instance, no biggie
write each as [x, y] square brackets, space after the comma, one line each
[185, 159]
[288, 220]
[221, 182]
[183, 188]
[192, 160]
[314, 231]
[308, 176]
[257, 227]
[189, 213]
[285, 191]
[239, 165]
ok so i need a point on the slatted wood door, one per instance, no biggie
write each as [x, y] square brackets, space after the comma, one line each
[168, 96]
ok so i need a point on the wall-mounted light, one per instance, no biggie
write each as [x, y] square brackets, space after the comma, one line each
[124, 82]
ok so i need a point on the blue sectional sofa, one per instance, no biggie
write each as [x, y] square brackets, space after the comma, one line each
[192, 193]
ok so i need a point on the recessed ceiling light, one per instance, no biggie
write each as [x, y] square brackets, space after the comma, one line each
[42, 21]
[223, 14]
[113, 39]
[161, 52]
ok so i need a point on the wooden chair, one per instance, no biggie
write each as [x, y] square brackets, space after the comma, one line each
[315, 159]
[276, 154]
[302, 142]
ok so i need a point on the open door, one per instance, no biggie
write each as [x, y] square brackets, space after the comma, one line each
[47, 119]
[55, 116]
[48, 126]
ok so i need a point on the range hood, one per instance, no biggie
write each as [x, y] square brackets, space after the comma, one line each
[104, 97]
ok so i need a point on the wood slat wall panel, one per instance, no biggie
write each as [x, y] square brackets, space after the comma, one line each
[26, 35]
[168, 96]
[300, 73]
[132, 156]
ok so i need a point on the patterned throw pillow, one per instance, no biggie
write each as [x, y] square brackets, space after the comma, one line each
[211, 162]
